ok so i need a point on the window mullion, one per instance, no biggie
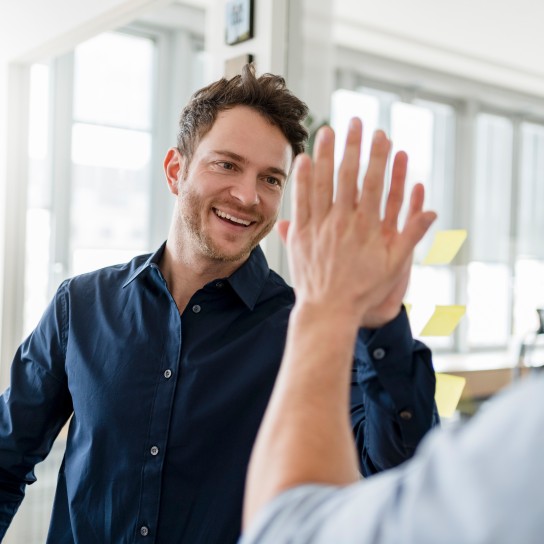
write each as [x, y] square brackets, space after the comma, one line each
[462, 209]
[61, 135]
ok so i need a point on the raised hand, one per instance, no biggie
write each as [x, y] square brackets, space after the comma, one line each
[342, 252]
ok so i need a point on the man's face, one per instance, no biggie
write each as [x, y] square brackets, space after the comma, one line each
[230, 197]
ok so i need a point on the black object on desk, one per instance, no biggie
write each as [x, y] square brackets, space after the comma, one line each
[528, 346]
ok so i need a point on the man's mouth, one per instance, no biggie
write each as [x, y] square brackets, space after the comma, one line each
[231, 218]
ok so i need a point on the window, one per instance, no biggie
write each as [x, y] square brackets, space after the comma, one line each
[111, 150]
[489, 278]
[487, 178]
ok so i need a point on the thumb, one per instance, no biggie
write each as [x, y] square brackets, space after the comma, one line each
[282, 227]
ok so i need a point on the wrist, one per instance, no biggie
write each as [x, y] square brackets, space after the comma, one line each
[324, 320]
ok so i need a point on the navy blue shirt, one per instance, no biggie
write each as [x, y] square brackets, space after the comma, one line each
[165, 407]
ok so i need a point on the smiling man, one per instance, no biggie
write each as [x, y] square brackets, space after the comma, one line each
[165, 364]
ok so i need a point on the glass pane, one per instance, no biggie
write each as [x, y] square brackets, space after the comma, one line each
[429, 286]
[529, 295]
[488, 304]
[113, 81]
[348, 104]
[94, 145]
[426, 132]
[531, 193]
[490, 234]
[110, 194]
[439, 187]
[412, 130]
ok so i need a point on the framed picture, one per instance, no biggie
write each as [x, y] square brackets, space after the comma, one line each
[239, 21]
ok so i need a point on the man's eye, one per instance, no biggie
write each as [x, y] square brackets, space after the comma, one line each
[226, 165]
[273, 181]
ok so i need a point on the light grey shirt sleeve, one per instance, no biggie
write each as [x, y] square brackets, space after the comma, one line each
[482, 482]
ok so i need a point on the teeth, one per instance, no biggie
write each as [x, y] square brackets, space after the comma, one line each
[233, 219]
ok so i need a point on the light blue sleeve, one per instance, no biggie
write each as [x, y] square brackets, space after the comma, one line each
[478, 483]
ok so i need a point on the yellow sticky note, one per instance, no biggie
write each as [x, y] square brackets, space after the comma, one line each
[448, 392]
[443, 321]
[446, 245]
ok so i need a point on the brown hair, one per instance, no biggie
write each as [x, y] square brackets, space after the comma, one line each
[266, 94]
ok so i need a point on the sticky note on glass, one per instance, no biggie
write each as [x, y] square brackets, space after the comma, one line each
[443, 321]
[446, 245]
[448, 393]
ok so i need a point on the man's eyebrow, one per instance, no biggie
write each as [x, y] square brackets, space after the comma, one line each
[232, 155]
[244, 160]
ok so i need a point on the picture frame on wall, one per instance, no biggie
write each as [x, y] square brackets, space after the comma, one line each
[238, 21]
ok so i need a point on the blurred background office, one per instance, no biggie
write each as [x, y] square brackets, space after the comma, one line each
[90, 93]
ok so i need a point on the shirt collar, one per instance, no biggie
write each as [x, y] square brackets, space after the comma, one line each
[151, 261]
[247, 282]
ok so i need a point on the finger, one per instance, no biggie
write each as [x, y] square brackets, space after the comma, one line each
[396, 192]
[413, 232]
[418, 222]
[348, 172]
[322, 189]
[301, 193]
[416, 200]
[370, 202]
[282, 227]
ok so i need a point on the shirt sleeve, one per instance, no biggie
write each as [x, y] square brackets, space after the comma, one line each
[34, 408]
[392, 395]
[466, 484]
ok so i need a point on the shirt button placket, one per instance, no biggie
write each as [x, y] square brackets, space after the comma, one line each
[144, 531]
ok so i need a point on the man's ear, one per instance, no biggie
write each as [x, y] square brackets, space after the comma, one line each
[173, 168]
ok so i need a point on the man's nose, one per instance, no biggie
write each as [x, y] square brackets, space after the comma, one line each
[245, 189]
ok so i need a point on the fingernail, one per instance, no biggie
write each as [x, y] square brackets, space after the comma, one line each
[324, 135]
[379, 136]
[354, 123]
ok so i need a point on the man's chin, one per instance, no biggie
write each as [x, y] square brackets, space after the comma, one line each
[232, 255]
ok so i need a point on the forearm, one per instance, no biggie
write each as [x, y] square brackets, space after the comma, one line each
[306, 433]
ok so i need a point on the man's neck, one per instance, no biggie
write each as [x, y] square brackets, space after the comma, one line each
[186, 273]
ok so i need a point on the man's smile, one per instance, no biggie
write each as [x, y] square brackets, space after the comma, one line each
[232, 218]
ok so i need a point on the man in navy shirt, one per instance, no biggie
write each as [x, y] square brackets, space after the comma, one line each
[165, 364]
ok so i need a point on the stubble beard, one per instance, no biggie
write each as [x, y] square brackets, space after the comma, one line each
[190, 206]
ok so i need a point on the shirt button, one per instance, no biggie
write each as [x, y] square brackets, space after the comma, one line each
[219, 284]
[196, 308]
[378, 353]
[144, 531]
[406, 415]
[167, 373]
[154, 450]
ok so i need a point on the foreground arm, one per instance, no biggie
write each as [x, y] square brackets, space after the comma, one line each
[468, 484]
[349, 269]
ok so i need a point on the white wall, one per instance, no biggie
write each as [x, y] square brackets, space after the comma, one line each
[33, 29]
[493, 41]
